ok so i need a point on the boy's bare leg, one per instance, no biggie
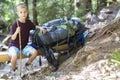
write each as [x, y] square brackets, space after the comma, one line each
[32, 57]
[13, 62]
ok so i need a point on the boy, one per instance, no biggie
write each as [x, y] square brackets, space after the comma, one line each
[24, 27]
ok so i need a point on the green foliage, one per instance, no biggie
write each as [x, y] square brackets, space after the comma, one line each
[7, 12]
[81, 9]
[94, 6]
[46, 10]
[54, 9]
[116, 55]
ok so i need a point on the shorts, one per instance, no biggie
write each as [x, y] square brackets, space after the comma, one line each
[13, 51]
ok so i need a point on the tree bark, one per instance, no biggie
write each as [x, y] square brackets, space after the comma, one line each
[76, 6]
[26, 2]
[88, 5]
[35, 12]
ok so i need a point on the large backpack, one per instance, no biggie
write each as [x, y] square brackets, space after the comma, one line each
[60, 29]
[57, 31]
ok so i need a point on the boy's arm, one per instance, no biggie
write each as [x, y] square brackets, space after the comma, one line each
[41, 29]
[13, 37]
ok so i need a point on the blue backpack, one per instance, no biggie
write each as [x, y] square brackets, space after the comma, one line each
[61, 29]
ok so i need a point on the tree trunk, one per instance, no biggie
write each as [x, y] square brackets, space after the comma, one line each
[76, 7]
[26, 2]
[35, 12]
[88, 5]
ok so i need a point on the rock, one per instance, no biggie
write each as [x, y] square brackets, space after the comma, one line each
[117, 39]
[94, 19]
[118, 15]
[102, 16]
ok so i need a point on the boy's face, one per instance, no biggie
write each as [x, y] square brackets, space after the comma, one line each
[22, 13]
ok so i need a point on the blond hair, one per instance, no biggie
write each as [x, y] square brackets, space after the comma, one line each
[21, 5]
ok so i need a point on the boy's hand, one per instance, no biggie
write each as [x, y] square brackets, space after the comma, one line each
[13, 37]
[17, 30]
[43, 30]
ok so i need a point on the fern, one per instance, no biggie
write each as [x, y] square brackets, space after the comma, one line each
[116, 55]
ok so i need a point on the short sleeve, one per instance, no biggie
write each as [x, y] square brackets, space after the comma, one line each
[32, 26]
[13, 28]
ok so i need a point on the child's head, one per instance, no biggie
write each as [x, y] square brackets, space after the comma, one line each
[22, 11]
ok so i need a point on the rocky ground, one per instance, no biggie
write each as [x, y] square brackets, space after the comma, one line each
[99, 59]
